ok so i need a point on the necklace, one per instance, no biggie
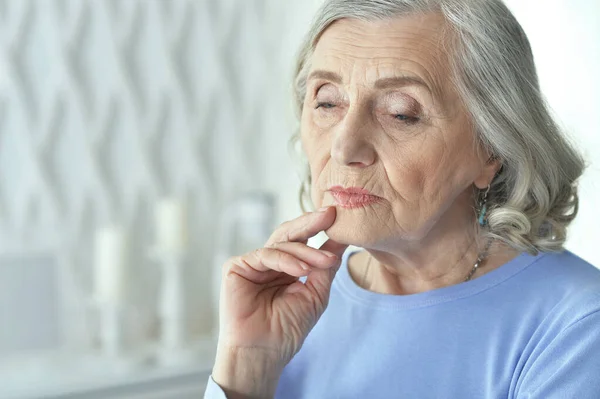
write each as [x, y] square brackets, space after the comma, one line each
[480, 258]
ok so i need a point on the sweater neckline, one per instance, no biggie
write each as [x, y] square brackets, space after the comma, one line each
[348, 287]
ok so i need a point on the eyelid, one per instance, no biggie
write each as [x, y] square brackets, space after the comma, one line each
[322, 104]
[407, 101]
[320, 84]
[329, 98]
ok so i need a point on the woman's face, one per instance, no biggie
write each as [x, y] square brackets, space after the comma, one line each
[381, 113]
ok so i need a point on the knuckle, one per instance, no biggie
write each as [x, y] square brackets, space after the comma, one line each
[229, 265]
[305, 228]
[288, 230]
[257, 254]
[233, 260]
[275, 253]
[285, 226]
[273, 238]
[288, 235]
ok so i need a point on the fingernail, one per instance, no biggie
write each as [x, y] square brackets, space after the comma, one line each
[323, 209]
[304, 266]
[330, 255]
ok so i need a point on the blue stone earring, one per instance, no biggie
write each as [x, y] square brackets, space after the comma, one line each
[483, 206]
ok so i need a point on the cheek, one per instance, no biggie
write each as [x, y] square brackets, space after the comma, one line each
[309, 131]
[325, 119]
[314, 133]
[429, 171]
[449, 178]
[315, 139]
[309, 139]
[315, 149]
[408, 177]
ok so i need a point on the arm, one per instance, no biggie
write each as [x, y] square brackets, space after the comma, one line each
[246, 374]
[569, 367]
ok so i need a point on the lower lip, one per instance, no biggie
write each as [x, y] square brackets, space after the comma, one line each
[346, 200]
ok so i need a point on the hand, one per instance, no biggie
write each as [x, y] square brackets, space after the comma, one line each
[266, 313]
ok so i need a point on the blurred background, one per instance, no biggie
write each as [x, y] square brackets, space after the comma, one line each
[142, 142]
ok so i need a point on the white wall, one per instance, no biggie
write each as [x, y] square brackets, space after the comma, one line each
[107, 107]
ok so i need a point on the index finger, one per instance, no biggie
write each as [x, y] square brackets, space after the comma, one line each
[303, 227]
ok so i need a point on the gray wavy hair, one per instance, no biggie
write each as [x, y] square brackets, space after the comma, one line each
[533, 198]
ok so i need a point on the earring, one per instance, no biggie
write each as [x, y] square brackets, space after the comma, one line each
[483, 206]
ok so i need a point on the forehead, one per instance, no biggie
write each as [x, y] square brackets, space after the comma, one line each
[367, 51]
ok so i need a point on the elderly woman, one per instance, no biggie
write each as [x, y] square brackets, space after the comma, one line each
[429, 147]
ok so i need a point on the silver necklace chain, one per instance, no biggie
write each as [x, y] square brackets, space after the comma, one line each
[480, 258]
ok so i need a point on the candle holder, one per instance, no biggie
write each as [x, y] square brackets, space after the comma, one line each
[174, 347]
[111, 329]
[114, 350]
[110, 298]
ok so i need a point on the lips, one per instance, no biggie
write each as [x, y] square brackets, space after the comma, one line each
[352, 197]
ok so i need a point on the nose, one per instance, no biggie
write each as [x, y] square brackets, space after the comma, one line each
[352, 144]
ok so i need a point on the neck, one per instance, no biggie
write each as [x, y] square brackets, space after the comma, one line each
[443, 258]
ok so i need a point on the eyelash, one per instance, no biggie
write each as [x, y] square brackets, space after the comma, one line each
[409, 120]
[329, 105]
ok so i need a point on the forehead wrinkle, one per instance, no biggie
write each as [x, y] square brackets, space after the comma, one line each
[369, 52]
[374, 70]
[355, 32]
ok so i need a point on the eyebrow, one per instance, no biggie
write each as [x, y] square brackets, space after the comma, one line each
[383, 83]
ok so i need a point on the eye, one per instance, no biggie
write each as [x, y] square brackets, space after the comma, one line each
[409, 120]
[325, 105]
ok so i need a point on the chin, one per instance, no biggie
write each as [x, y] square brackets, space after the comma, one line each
[352, 234]
[362, 229]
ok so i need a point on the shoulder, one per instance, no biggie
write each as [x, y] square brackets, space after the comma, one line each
[562, 357]
[573, 282]
[562, 289]
[563, 352]
[568, 259]
[569, 276]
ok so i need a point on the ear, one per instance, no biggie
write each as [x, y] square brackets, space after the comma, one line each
[488, 172]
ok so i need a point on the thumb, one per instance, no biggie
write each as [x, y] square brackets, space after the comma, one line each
[319, 281]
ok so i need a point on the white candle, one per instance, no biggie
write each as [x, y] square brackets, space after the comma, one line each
[111, 271]
[171, 226]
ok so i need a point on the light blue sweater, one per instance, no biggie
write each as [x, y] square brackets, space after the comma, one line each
[528, 329]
